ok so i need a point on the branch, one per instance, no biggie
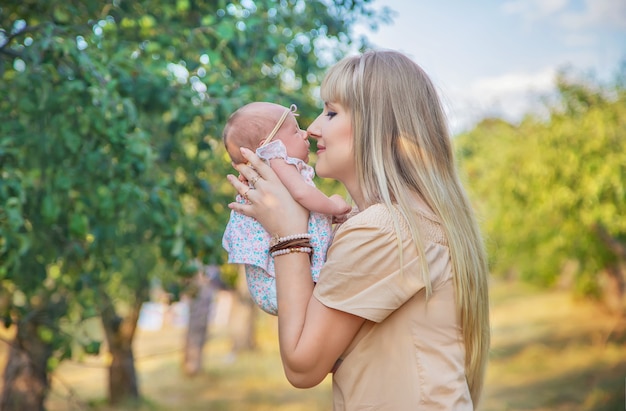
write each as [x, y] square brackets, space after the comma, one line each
[10, 52]
[613, 244]
[9, 38]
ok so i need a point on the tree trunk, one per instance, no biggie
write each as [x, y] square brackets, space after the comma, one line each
[26, 381]
[614, 290]
[123, 385]
[205, 285]
[243, 316]
[119, 332]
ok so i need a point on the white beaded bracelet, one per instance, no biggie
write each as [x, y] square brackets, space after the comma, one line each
[276, 239]
[307, 250]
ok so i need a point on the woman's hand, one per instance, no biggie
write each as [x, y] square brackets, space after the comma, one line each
[268, 201]
[303, 321]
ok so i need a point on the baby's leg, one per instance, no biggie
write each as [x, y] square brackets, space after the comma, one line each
[262, 288]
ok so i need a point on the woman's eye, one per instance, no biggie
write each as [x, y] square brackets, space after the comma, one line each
[331, 114]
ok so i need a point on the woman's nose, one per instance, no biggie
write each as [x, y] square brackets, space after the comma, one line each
[313, 130]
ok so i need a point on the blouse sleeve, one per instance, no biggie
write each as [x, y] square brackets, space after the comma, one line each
[362, 274]
[273, 149]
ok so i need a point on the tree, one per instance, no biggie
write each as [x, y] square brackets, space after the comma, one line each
[201, 296]
[552, 191]
[111, 161]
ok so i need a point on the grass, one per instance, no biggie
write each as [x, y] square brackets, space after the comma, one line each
[247, 381]
[549, 352]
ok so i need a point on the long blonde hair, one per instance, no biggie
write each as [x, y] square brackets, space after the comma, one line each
[402, 148]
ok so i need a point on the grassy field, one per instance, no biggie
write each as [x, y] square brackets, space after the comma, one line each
[549, 353]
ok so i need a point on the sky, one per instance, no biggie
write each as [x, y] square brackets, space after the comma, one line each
[497, 58]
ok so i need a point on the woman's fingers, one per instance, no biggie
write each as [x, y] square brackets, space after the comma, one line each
[268, 201]
[255, 167]
[239, 185]
[243, 189]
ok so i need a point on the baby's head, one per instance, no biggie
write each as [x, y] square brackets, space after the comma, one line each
[251, 125]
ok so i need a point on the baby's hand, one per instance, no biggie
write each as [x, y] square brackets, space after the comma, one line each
[342, 207]
[344, 217]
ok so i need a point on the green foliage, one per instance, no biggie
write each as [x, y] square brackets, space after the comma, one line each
[547, 188]
[111, 161]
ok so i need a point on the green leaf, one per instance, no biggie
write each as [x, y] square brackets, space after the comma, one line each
[45, 334]
[50, 209]
[92, 347]
[78, 225]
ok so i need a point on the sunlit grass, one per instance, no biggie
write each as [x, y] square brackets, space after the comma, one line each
[549, 352]
[245, 381]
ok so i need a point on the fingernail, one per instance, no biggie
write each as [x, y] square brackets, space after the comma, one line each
[244, 150]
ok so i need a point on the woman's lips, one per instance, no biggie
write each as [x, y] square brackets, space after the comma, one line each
[320, 149]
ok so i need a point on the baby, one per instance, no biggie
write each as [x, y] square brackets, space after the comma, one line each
[274, 132]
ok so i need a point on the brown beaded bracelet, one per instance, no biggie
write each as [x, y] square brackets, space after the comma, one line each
[302, 242]
[276, 239]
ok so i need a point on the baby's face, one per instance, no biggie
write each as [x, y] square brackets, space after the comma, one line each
[296, 140]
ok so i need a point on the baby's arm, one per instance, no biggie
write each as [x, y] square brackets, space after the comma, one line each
[307, 195]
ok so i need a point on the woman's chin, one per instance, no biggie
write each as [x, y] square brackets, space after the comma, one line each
[320, 171]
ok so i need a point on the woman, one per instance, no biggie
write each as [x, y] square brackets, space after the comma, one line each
[400, 312]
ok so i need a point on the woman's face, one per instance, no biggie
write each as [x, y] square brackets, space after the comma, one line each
[333, 131]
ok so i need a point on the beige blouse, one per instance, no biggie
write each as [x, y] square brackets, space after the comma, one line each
[409, 354]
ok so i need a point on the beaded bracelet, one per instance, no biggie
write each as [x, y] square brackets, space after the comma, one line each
[307, 250]
[302, 242]
[277, 239]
